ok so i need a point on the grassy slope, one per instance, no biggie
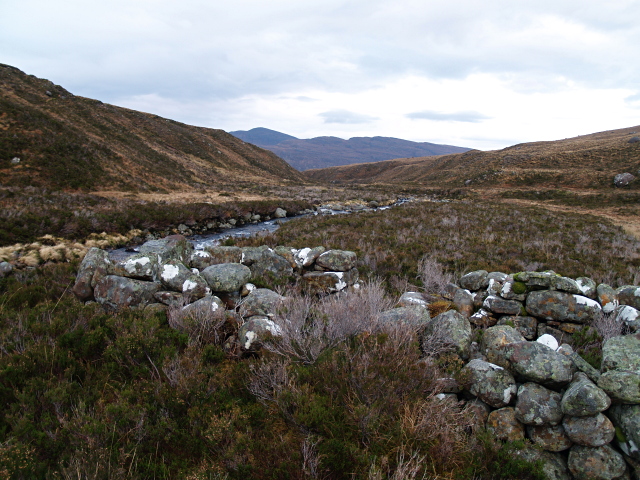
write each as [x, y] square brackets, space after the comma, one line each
[70, 142]
[588, 161]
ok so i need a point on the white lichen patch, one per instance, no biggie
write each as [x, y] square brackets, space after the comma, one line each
[169, 272]
[549, 341]
[188, 285]
[580, 300]
[214, 306]
[250, 287]
[508, 393]
[610, 306]
[272, 328]
[506, 289]
[131, 265]
[637, 292]
[340, 284]
[202, 254]
[302, 255]
[583, 287]
[627, 314]
[495, 367]
[251, 336]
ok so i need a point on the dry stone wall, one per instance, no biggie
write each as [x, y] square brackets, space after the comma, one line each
[521, 376]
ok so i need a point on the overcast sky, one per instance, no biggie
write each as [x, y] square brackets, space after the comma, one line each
[480, 74]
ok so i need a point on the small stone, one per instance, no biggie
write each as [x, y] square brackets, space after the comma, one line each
[226, 277]
[593, 431]
[475, 280]
[490, 383]
[537, 405]
[504, 425]
[623, 179]
[595, 463]
[552, 438]
[583, 398]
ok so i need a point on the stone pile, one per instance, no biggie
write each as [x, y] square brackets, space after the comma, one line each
[522, 384]
[170, 272]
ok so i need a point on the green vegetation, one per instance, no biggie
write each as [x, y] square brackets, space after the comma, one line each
[87, 394]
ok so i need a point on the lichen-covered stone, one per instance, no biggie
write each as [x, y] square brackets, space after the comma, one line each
[255, 331]
[490, 383]
[607, 297]
[209, 305]
[463, 302]
[593, 431]
[94, 267]
[595, 463]
[115, 292]
[537, 405]
[412, 299]
[455, 330]
[504, 425]
[172, 299]
[502, 306]
[535, 362]
[329, 282]
[494, 339]
[264, 262]
[580, 363]
[626, 420]
[514, 290]
[173, 247]
[621, 368]
[337, 260]
[587, 287]
[527, 326]
[475, 280]
[306, 257]
[415, 315]
[537, 280]
[175, 276]
[142, 266]
[584, 398]
[219, 254]
[628, 316]
[483, 319]
[201, 259]
[226, 277]
[261, 301]
[562, 307]
[629, 295]
[552, 438]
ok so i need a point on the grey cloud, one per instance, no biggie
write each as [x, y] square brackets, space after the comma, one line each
[469, 117]
[346, 117]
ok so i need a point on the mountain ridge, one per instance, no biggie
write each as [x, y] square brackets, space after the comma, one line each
[325, 151]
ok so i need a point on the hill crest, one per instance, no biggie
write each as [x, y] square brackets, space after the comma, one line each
[327, 151]
[71, 142]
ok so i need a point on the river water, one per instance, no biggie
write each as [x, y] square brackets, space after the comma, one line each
[200, 242]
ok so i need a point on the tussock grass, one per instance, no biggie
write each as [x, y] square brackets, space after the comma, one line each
[469, 236]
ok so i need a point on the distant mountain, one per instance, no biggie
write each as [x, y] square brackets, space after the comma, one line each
[322, 152]
[588, 162]
[52, 138]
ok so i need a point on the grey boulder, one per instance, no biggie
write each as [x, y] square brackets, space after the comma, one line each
[94, 267]
[595, 463]
[475, 280]
[173, 247]
[116, 293]
[562, 307]
[552, 438]
[261, 301]
[226, 277]
[593, 431]
[490, 383]
[329, 282]
[537, 363]
[454, 330]
[537, 405]
[620, 377]
[584, 398]
[337, 260]
[626, 419]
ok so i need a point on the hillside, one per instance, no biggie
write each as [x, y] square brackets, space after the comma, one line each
[65, 141]
[588, 161]
[321, 152]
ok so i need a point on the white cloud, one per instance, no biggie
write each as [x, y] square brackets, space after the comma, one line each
[496, 72]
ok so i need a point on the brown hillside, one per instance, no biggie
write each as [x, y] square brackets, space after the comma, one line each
[65, 141]
[588, 161]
